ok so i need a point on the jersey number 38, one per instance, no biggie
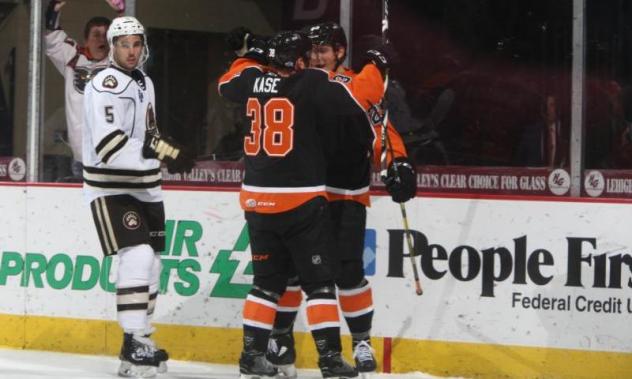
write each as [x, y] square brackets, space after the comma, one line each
[270, 126]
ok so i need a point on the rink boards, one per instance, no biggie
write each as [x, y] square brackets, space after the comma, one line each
[519, 288]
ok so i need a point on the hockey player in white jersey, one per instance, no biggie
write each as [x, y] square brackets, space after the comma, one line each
[122, 150]
[78, 64]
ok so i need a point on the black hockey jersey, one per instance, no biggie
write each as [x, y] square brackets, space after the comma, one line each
[295, 126]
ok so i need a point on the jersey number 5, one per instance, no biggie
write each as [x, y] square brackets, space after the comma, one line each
[278, 121]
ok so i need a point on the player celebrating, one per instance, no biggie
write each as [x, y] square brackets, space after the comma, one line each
[348, 178]
[122, 150]
[295, 115]
[78, 64]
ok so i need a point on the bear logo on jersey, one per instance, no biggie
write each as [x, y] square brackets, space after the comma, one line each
[131, 220]
[110, 82]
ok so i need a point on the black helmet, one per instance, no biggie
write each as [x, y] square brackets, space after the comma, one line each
[327, 33]
[286, 47]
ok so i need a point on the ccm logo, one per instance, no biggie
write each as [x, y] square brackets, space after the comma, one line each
[260, 257]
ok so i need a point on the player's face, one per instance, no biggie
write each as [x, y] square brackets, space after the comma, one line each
[324, 56]
[96, 42]
[127, 51]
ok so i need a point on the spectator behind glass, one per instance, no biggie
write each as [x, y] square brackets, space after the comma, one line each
[541, 143]
[78, 64]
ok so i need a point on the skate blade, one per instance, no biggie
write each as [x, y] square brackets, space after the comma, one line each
[128, 370]
[287, 371]
[249, 376]
[162, 368]
[366, 375]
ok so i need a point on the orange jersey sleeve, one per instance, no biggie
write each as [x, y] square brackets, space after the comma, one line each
[239, 65]
[367, 85]
[397, 149]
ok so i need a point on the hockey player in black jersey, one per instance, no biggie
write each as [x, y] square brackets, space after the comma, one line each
[294, 116]
[122, 151]
[348, 179]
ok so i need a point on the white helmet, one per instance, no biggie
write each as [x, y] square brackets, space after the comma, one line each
[125, 26]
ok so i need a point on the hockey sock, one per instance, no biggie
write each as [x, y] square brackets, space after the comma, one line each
[324, 321]
[287, 310]
[132, 287]
[154, 283]
[259, 311]
[357, 309]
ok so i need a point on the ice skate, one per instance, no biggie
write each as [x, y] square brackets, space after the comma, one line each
[333, 366]
[282, 355]
[254, 365]
[161, 353]
[364, 358]
[139, 357]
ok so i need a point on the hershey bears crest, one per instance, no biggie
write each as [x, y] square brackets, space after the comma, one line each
[131, 220]
[110, 82]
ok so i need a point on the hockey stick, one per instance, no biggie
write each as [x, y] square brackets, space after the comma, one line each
[387, 145]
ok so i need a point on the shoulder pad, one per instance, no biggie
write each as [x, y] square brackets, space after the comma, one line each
[111, 80]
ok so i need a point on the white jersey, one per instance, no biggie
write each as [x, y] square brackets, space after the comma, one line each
[119, 109]
[71, 61]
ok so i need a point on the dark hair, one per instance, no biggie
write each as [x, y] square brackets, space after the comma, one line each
[95, 21]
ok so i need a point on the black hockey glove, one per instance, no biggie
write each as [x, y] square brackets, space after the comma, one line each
[383, 55]
[52, 14]
[248, 45]
[235, 38]
[257, 48]
[172, 154]
[401, 180]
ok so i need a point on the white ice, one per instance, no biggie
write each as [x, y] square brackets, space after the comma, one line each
[32, 364]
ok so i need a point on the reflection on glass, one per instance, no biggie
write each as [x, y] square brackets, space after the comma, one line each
[474, 78]
[608, 73]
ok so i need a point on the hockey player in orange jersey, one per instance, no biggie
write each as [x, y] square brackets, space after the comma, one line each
[348, 179]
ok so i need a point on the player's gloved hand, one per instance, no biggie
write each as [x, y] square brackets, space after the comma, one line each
[249, 45]
[401, 180]
[257, 48]
[171, 153]
[236, 39]
[52, 14]
[383, 55]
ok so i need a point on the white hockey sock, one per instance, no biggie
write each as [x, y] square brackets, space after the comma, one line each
[132, 287]
[154, 287]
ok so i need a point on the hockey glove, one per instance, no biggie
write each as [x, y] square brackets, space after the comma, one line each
[401, 180]
[236, 39]
[257, 48]
[246, 44]
[383, 55]
[172, 154]
[52, 14]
